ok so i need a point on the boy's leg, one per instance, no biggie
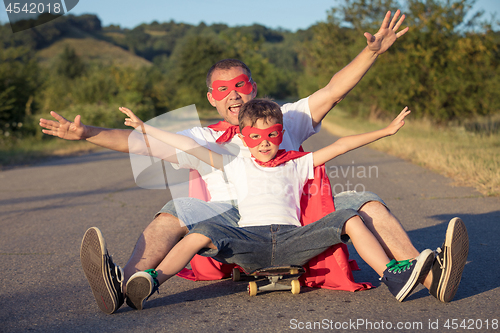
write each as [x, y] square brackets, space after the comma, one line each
[156, 241]
[395, 241]
[142, 284]
[401, 278]
[167, 229]
[365, 243]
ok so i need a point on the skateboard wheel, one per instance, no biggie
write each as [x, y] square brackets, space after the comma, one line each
[252, 288]
[235, 275]
[295, 287]
[294, 271]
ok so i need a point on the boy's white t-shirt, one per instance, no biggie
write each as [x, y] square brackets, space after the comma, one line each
[298, 127]
[268, 195]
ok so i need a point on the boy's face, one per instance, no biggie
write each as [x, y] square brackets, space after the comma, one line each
[230, 105]
[265, 150]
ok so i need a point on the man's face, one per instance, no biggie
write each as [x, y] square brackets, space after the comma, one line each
[265, 150]
[230, 106]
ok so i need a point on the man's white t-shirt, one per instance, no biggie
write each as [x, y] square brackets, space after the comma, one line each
[268, 195]
[297, 123]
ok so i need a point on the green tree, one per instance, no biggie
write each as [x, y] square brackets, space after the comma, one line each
[443, 68]
[69, 64]
[18, 84]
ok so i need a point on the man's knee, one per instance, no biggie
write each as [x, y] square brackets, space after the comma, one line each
[170, 223]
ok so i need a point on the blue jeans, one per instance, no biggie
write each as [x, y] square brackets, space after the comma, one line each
[273, 245]
[252, 247]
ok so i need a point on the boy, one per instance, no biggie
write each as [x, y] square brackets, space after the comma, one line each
[269, 186]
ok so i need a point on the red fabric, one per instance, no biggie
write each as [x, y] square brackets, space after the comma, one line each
[229, 131]
[281, 157]
[331, 269]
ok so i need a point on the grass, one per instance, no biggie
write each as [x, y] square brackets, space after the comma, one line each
[31, 150]
[470, 158]
[91, 49]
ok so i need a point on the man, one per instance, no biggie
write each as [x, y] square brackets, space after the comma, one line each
[166, 229]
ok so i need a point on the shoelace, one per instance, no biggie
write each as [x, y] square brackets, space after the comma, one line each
[438, 251]
[399, 266]
[115, 271]
[154, 275]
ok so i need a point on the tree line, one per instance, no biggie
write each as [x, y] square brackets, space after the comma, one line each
[445, 68]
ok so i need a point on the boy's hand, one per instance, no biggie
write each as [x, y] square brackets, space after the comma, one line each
[133, 120]
[398, 122]
[63, 128]
[387, 34]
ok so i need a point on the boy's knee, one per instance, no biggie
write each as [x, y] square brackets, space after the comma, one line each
[202, 240]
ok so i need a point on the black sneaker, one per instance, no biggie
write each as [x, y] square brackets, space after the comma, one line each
[402, 277]
[450, 261]
[140, 287]
[105, 278]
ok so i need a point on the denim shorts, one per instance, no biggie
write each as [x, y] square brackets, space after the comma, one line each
[191, 211]
[273, 245]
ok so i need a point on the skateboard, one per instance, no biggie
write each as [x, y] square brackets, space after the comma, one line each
[273, 274]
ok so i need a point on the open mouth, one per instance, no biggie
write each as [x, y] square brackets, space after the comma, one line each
[235, 108]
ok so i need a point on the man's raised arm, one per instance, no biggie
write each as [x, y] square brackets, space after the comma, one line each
[323, 100]
[114, 139]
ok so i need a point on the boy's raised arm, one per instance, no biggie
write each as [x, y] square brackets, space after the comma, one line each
[348, 143]
[178, 141]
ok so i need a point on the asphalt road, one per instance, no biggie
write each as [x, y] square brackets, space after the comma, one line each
[45, 210]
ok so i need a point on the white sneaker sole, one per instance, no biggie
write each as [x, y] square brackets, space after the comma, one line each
[93, 259]
[139, 287]
[422, 268]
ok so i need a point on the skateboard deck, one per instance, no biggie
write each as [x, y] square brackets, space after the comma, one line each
[273, 274]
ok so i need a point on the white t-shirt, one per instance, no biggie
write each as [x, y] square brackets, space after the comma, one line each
[268, 195]
[297, 123]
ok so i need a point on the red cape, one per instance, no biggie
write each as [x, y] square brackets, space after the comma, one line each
[331, 269]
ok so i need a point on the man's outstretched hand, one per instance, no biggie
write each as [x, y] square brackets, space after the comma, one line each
[387, 34]
[63, 128]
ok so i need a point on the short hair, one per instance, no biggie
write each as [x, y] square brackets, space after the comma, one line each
[227, 64]
[259, 108]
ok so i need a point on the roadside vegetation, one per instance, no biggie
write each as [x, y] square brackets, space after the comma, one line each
[445, 69]
[469, 157]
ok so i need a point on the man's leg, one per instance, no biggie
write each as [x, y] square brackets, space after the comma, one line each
[442, 281]
[156, 241]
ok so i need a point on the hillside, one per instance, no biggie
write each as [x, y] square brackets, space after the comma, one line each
[90, 49]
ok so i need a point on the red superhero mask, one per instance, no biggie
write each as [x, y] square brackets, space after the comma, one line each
[262, 134]
[241, 83]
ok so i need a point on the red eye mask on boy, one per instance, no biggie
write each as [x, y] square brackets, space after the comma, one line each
[241, 83]
[263, 134]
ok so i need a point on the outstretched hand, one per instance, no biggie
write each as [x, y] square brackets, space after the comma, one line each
[398, 122]
[133, 120]
[63, 128]
[387, 34]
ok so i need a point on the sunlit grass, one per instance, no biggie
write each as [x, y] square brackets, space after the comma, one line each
[469, 158]
[31, 149]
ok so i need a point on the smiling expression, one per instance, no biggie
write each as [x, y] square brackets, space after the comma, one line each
[265, 150]
[229, 106]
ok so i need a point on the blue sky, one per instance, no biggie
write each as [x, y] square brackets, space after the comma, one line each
[288, 14]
